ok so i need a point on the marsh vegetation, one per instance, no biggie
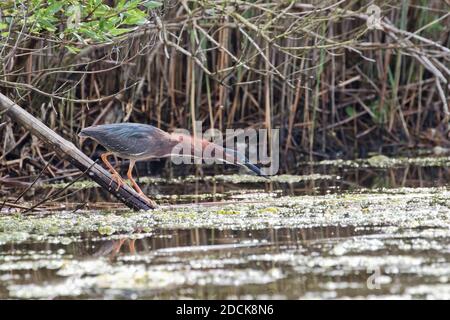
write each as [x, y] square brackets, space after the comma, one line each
[359, 209]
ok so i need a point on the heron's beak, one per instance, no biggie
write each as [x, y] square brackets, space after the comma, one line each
[255, 169]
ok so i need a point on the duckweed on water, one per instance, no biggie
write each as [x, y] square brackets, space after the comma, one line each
[382, 161]
[106, 230]
[82, 184]
[377, 161]
[408, 208]
[289, 247]
[226, 212]
[283, 178]
[167, 270]
[269, 210]
[235, 178]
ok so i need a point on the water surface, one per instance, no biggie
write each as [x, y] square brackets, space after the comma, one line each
[340, 232]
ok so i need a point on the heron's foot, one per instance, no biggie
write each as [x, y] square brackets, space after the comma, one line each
[148, 200]
[117, 179]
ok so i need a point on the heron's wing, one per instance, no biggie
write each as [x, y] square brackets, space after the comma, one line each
[131, 139]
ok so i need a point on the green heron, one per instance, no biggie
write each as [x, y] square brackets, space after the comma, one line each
[135, 141]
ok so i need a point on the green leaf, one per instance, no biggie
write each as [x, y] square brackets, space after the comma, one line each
[118, 32]
[55, 7]
[135, 17]
[350, 111]
[152, 4]
[3, 26]
[102, 11]
[132, 4]
[121, 4]
[73, 49]
[45, 24]
[91, 33]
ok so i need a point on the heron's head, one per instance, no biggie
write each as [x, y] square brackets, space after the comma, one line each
[89, 133]
[83, 137]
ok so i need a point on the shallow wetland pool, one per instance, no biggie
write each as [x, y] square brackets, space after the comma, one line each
[343, 232]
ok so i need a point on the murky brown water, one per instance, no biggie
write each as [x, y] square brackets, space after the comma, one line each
[362, 233]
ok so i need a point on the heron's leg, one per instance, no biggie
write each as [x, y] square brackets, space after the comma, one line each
[131, 246]
[115, 175]
[117, 246]
[135, 185]
[130, 176]
[104, 157]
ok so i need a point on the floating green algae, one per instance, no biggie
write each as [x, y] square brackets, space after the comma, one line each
[339, 267]
[283, 178]
[373, 243]
[384, 162]
[81, 184]
[269, 210]
[380, 161]
[226, 212]
[234, 178]
[407, 207]
[367, 244]
[376, 161]
[106, 230]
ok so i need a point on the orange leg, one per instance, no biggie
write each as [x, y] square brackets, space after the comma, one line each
[131, 246]
[135, 185]
[115, 175]
[117, 246]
